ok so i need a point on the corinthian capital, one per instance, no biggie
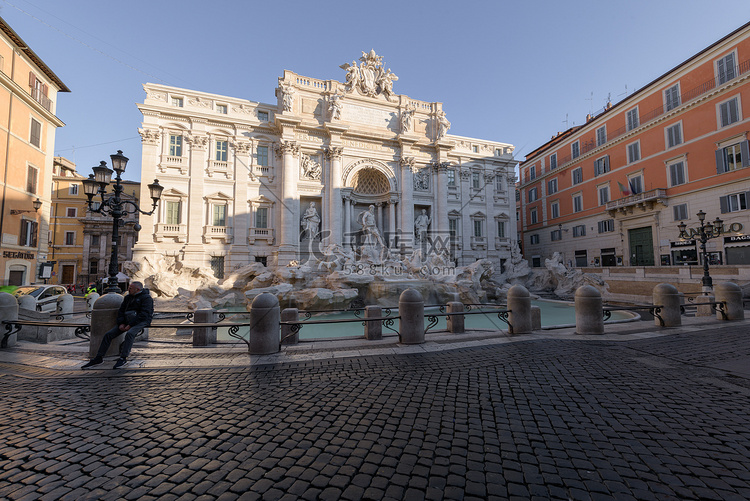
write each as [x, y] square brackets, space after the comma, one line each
[285, 147]
[410, 163]
[241, 148]
[334, 152]
[197, 142]
[149, 136]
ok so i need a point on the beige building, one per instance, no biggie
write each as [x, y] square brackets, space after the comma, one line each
[247, 181]
[28, 99]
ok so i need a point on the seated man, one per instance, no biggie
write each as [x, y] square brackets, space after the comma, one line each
[134, 315]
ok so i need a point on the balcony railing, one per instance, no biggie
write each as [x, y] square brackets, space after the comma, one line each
[261, 234]
[168, 230]
[217, 232]
[645, 200]
[40, 98]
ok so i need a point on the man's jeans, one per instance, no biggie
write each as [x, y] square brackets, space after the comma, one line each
[126, 345]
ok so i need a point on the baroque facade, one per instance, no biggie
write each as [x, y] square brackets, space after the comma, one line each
[613, 191]
[254, 182]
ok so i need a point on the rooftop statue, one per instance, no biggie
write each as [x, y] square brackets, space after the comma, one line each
[369, 78]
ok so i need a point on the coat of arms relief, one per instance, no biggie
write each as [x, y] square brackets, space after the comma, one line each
[369, 77]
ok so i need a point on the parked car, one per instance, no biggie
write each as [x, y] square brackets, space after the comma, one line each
[46, 295]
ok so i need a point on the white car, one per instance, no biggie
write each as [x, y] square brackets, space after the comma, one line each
[46, 295]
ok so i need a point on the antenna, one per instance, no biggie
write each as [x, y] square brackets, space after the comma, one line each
[591, 103]
[566, 121]
[626, 91]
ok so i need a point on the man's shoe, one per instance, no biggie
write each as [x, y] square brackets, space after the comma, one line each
[94, 361]
[120, 362]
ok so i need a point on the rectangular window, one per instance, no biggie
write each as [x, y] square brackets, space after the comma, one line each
[534, 239]
[221, 151]
[680, 212]
[94, 240]
[453, 228]
[636, 184]
[552, 186]
[94, 267]
[451, 177]
[674, 135]
[498, 183]
[534, 218]
[73, 189]
[262, 154]
[35, 136]
[173, 212]
[223, 109]
[729, 112]
[554, 209]
[217, 266]
[32, 175]
[70, 238]
[677, 174]
[601, 165]
[672, 97]
[634, 152]
[553, 161]
[579, 231]
[220, 215]
[533, 194]
[475, 181]
[500, 229]
[601, 135]
[29, 231]
[263, 116]
[177, 101]
[175, 145]
[577, 203]
[261, 217]
[603, 195]
[578, 175]
[732, 157]
[71, 212]
[532, 172]
[725, 70]
[477, 227]
[734, 202]
[632, 118]
[606, 226]
[475, 149]
[555, 235]
[575, 150]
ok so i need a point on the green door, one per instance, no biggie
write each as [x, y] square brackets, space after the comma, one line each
[641, 247]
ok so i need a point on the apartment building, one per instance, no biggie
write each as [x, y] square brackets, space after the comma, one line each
[28, 98]
[613, 191]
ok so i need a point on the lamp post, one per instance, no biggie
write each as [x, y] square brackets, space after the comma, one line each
[704, 233]
[113, 205]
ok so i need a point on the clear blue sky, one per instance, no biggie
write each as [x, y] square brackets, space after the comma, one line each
[504, 71]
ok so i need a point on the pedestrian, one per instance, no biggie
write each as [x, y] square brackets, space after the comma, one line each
[134, 315]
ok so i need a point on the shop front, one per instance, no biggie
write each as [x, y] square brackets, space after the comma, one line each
[737, 249]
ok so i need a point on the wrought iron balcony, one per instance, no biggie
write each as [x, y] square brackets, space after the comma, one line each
[644, 201]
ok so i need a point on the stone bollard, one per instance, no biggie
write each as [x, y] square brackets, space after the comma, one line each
[704, 310]
[202, 336]
[27, 302]
[411, 311]
[103, 318]
[65, 305]
[456, 323]
[288, 335]
[8, 311]
[264, 325]
[519, 304]
[667, 296]
[731, 294]
[90, 300]
[589, 313]
[374, 328]
[536, 318]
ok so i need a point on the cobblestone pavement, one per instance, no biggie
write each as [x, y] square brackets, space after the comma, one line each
[662, 418]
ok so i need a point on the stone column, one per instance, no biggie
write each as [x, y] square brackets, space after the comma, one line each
[194, 249]
[380, 216]
[334, 190]
[391, 221]
[489, 199]
[150, 139]
[289, 210]
[347, 222]
[407, 203]
[467, 230]
[239, 221]
[441, 197]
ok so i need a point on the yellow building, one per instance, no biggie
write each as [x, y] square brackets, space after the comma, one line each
[66, 227]
[28, 98]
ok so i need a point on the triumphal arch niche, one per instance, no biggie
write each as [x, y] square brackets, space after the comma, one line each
[325, 162]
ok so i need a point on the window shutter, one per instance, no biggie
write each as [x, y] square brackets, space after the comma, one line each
[745, 152]
[32, 79]
[34, 231]
[724, 204]
[719, 161]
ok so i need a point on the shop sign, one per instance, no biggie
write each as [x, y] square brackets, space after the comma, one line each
[737, 238]
[17, 255]
[686, 243]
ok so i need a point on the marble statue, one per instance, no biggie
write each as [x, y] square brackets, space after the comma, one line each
[311, 221]
[385, 81]
[443, 125]
[310, 168]
[335, 106]
[407, 115]
[287, 97]
[369, 78]
[421, 223]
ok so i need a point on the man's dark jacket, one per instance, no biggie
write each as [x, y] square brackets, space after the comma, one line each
[136, 309]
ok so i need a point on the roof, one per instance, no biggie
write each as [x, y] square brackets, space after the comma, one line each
[21, 45]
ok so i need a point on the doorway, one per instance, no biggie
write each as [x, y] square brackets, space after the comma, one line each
[641, 247]
[68, 274]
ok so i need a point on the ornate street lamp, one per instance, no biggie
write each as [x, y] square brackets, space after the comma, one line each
[113, 205]
[704, 233]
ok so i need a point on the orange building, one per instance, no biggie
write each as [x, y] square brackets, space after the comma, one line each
[613, 191]
[28, 95]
